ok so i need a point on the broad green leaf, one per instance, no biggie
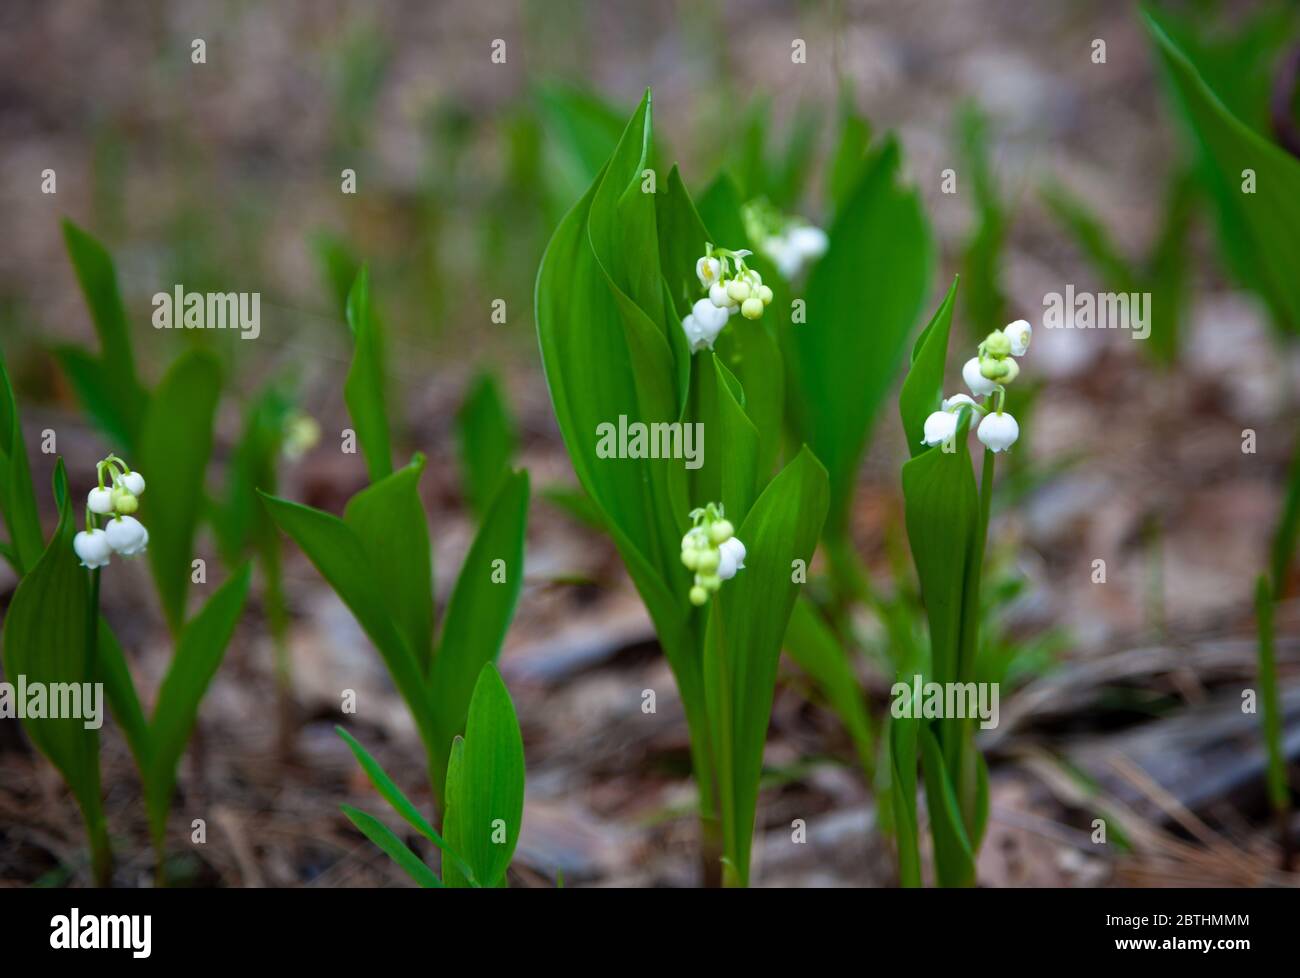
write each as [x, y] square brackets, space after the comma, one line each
[582, 130]
[397, 850]
[365, 389]
[605, 359]
[492, 780]
[746, 627]
[485, 434]
[199, 652]
[452, 806]
[401, 804]
[388, 520]
[954, 859]
[941, 512]
[338, 265]
[241, 521]
[864, 297]
[479, 611]
[814, 647]
[1261, 230]
[728, 471]
[47, 641]
[922, 390]
[17, 495]
[175, 444]
[108, 385]
[344, 562]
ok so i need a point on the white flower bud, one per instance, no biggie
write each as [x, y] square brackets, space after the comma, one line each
[708, 270]
[810, 242]
[127, 536]
[979, 384]
[1019, 333]
[939, 427]
[92, 547]
[100, 501]
[998, 432]
[718, 295]
[956, 401]
[731, 558]
[134, 483]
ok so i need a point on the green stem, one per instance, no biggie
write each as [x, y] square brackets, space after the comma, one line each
[101, 849]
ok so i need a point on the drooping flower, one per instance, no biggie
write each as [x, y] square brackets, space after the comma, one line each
[998, 431]
[1019, 333]
[127, 535]
[980, 385]
[92, 547]
[708, 270]
[703, 324]
[711, 550]
[100, 501]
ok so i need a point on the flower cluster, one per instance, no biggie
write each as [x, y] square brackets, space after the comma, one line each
[115, 501]
[730, 291]
[711, 549]
[791, 243]
[987, 375]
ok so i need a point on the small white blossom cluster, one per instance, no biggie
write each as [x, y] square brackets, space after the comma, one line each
[987, 375]
[115, 501]
[730, 291]
[711, 549]
[790, 243]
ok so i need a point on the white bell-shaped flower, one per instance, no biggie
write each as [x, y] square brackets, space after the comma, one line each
[939, 427]
[718, 296]
[127, 535]
[810, 242]
[703, 324]
[980, 385]
[731, 558]
[134, 482]
[100, 501]
[708, 271]
[92, 547]
[998, 432]
[1019, 333]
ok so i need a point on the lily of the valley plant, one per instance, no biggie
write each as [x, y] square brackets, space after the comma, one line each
[947, 520]
[636, 302]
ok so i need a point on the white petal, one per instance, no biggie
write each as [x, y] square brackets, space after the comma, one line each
[952, 403]
[736, 549]
[100, 501]
[976, 381]
[707, 270]
[998, 432]
[1019, 333]
[92, 547]
[134, 481]
[126, 535]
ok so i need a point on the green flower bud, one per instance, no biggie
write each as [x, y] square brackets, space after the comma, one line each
[721, 531]
[765, 294]
[706, 561]
[752, 307]
[993, 369]
[124, 501]
[691, 558]
[738, 291]
[699, 596]
[1013, 370]
[710, 582]
[997, 344]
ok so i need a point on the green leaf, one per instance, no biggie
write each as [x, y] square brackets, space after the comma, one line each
[175, 445]
[864, 297]
[453, 806]
[344, 562]
[107, 386]
[745, 631]
[47, 635]
[397, 850]
[953, 857]
[366, 384]
[492, 780]
[607, 358]
[401, 804]
[1260, 230]
[388, 521]
[122, 697]
[902, 735]
[479, 612]
[17, 495]
[812, 644]
[485, 433]
[850, 151]
[922, 390]
[728, 472]
[199, 652]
